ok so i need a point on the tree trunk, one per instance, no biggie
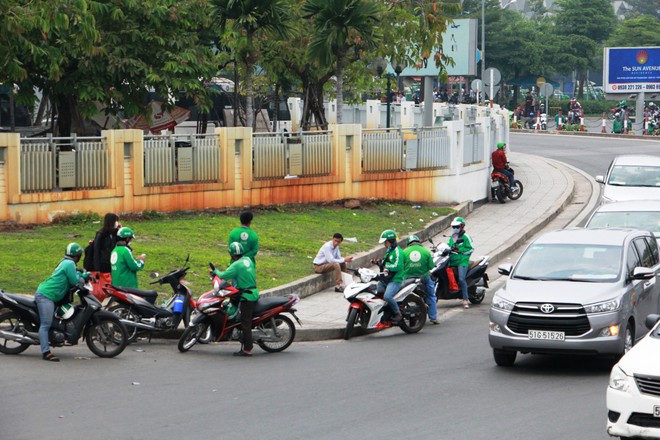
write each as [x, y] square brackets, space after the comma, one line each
[582, 76]
[63, 107]
[249, 97]
[340, 88]
[42, 109]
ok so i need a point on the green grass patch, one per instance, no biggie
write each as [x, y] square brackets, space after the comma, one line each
[289, 238]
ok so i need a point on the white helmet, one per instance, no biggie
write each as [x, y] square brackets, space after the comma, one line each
[64, 312]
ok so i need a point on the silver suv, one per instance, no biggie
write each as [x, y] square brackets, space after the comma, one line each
[582, 291]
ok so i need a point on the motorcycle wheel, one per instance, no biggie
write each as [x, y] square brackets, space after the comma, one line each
[474, 296]
[413, 311]
[284, 329]
[191, 335]
[126, 313]
[499, 194]
[106, 339]
[10, 322]
[517, 195]
[353, 316]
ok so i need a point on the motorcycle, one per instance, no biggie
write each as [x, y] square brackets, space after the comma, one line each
[217, 311]
[137, 310]
[500, 188]
[103, 332]
[476, 278]
[369, 309]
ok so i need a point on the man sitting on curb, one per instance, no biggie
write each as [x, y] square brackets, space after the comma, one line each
[329, 259]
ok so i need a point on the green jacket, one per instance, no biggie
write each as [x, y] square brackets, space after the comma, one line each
[64, 277]
[248, 239]
[464, 250]
[243, 273]
[394, 262]
[419, 261]
[124, 267]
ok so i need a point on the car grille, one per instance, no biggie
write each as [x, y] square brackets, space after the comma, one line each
[644, 420]
[648, 385]
[568, 318]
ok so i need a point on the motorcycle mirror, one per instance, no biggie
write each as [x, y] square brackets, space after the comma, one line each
[187, 259]
[212, 266]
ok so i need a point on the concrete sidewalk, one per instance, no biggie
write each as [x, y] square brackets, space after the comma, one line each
[550, 188]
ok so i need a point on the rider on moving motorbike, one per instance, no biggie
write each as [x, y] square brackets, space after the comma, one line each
[242, 272]
[461, 243]
[392, 264]
[500, 161]
[54, 289]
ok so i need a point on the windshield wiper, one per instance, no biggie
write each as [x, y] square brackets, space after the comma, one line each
[522, 277]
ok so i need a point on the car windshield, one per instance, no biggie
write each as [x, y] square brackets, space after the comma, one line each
[634, 175]
[570, 262]
[646, 221]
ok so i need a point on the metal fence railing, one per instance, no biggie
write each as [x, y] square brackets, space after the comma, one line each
[280, 155]
[181, 159]
[382, 150]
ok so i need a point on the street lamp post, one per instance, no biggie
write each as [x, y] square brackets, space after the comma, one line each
[381, 65]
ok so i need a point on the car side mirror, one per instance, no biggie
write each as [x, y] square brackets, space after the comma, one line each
[505, 269]
[643, 273]
[651, 321]
[600, 179]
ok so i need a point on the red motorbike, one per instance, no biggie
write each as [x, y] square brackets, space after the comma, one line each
[218, 311]
[500, 188]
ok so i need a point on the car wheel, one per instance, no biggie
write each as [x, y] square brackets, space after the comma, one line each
[504, 358]
[628, 338]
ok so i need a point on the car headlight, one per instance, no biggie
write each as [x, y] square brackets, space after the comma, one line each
[604, 307]
[619, 380]
[501, 303]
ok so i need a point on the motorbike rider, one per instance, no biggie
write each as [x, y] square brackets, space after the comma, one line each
[418, 264]
[500, 161]
[393, 264]
[574, 111]
[54, 289]
[461, 244]
[242, 272]
[124, 266]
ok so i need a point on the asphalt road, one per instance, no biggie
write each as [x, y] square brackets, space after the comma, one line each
[440, 383]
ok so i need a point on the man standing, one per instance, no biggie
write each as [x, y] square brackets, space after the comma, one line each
[245, 236]
[122, 263]
[418, 264]
[329, 259]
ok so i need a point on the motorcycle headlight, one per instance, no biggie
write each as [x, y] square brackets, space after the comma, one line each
[619, 380]
[603, 307]
[501, 303]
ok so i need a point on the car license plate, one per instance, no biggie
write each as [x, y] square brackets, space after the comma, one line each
[494, 183]
[656, 410]
[545, 335]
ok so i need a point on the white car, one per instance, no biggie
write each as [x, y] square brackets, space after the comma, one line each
[636, 214]
[631, 177]
[633, 394]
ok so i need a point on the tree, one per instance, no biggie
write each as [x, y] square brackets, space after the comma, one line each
[581, 28]
[342, 28]
[639, 31]
[249, 19]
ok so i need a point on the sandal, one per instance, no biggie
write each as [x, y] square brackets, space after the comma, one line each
[242, 353]
[48, 356]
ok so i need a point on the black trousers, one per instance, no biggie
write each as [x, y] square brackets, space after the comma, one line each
[247, 310]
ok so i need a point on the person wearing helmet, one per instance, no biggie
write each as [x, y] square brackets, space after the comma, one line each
[123, 264]
[461, 245]
[246, 236]
[54, 289]
[242, 272]
[329, 259]
[392, 264]
[418, 264]
[500, 164]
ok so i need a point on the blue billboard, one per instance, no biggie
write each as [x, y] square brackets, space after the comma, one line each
[631, 69]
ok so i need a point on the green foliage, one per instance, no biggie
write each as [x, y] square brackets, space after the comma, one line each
[639, 31]
[78, 218]
[590, 108]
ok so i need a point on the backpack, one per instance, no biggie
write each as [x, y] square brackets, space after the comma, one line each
[88, 261]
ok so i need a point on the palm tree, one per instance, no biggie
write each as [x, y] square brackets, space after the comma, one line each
[251, 19]
[342, 28]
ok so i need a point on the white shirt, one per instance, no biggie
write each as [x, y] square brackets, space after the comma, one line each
[328, 254]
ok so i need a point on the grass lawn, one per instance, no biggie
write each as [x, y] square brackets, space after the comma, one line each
[289, 238]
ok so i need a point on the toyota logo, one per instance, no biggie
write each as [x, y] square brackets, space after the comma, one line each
[547, 308]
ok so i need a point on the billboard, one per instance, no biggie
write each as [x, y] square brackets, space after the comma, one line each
[459, 42]
[631, 69]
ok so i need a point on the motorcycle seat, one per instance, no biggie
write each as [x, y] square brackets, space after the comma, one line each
[473, 263]
[26, 300]
[149, 295]
[269, 302]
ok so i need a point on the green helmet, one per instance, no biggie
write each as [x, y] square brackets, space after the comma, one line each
[387, 235]
[500, 145]
[125, 233]
[458, 221]
[413, 238]
[235, 249]
[73, 250]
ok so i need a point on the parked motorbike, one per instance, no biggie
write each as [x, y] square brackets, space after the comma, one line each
[500, 188]
[105, 336]
[477, 278]
[369, 309]
[218, 311]
[137, 310]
